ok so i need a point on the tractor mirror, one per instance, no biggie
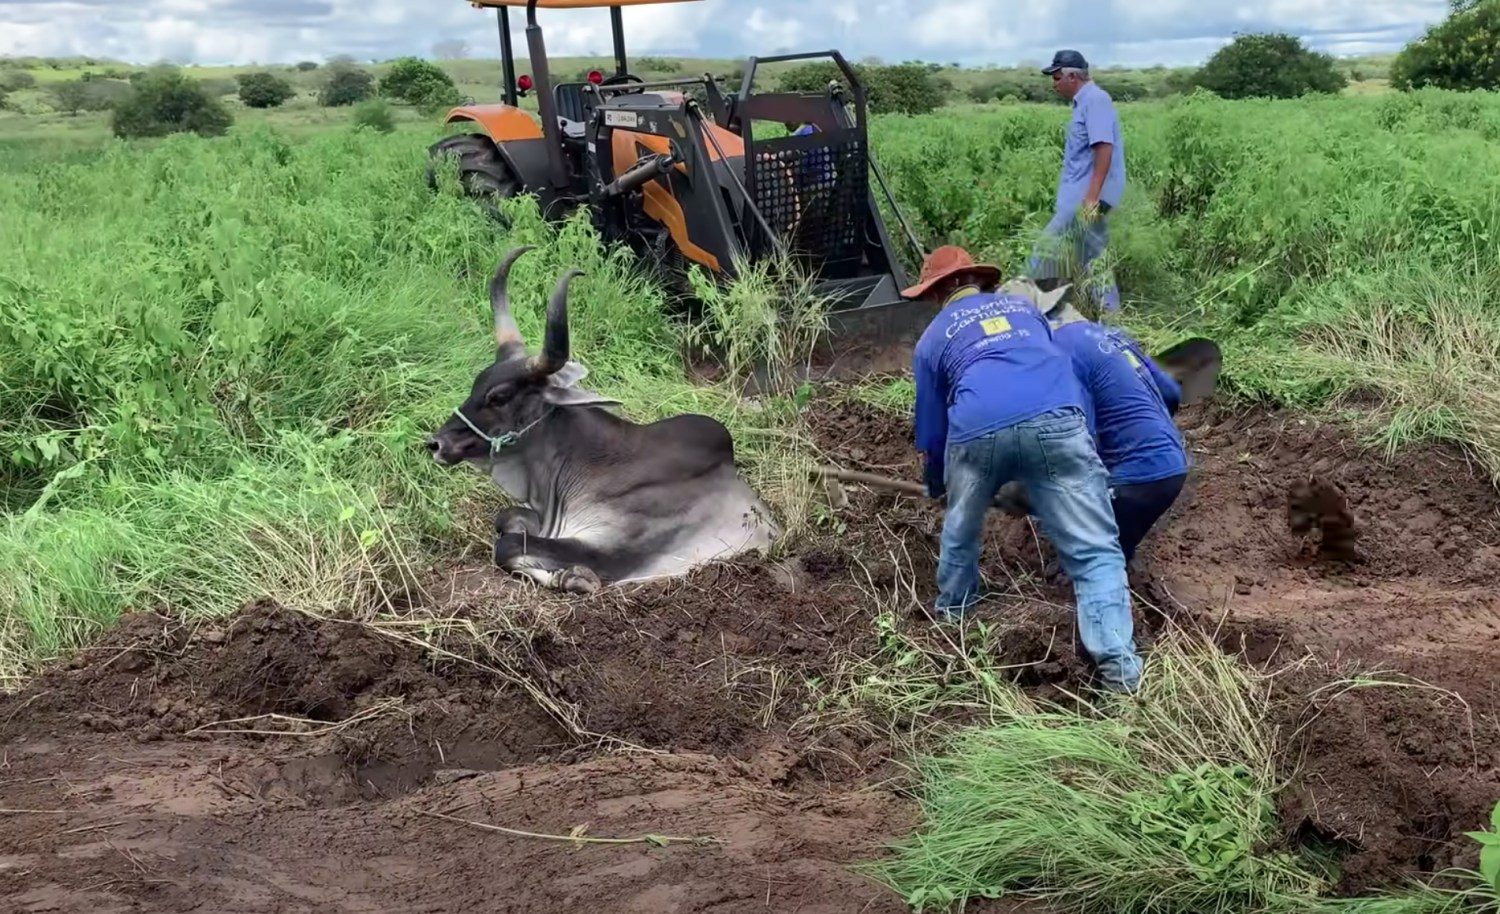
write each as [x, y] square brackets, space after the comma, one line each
[1194, 364]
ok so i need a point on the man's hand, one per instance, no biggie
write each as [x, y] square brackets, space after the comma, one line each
[1090, 208]
[932, 479]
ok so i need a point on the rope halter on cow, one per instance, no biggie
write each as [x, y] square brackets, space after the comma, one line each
[502, 442]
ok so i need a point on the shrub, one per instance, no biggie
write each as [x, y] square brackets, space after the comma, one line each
[15, 80]
[908, 88]
[219, 87]
[104, 94]
[1272, 65]
[1462, 52]
[418, 82]
[264, 90]
[165, 101]
[306, 66]
[374, 114]
[346, 85]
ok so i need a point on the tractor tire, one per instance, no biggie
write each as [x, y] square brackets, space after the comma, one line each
[482, 171]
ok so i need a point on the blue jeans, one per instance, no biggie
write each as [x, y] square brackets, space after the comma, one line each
[1068, 245]
[1053, 456]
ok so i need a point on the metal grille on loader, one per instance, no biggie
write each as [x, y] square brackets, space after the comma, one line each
[812, 191]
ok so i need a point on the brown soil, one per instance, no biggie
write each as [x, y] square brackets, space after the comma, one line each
[128, 781]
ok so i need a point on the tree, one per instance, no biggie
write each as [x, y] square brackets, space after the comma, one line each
[1462, 52]
[907, 88]
[264, 90]
[306, 66]
[165, 101]
[69, 96]
[450, 49]
[419, 82]
[1269, 65]
[346, 85]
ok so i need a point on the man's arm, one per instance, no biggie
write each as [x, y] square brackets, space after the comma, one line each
[1171, 391]
[1103, 153]
[931, 419]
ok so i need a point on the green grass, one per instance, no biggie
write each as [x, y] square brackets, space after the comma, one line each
[1159, 803]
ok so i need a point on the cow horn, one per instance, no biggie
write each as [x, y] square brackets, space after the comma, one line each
[506, 331]
[555, 343]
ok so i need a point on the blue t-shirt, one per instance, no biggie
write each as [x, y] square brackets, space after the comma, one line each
[1130, 404]
[987, 361]
[1094, 121]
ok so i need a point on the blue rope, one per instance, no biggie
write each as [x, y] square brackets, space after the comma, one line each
[504, 441]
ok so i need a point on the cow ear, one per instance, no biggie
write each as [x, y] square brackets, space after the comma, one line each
[1194, 364]
[568, 375]
[575, 396]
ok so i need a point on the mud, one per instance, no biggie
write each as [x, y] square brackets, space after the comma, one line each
[278, 762]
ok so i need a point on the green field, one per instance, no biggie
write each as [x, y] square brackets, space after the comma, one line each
[219, 358]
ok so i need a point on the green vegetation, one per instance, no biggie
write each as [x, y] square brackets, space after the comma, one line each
[375, 114]
[1160, 803]
[1489, 853]
[1461, 52]
[902, 89]
[1269, 66]
[419, 83]
[165, 101]
[345, 84]
[264, 90]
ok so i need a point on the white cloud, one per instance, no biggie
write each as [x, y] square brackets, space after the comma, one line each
[1107, 31]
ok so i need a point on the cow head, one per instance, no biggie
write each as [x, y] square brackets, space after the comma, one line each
[513, 396]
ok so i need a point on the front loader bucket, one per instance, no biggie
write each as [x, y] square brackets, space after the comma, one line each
[871, 330]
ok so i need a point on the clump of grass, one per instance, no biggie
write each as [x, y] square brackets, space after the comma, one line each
[767, 321]
[1157, 803]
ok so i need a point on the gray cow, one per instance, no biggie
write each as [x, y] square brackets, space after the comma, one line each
[599, 499]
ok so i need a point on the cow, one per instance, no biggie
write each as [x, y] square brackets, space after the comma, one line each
[598, 499]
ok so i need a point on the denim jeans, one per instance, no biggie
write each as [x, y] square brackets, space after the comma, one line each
[1068, 245]
[1053, 456]
[1138, 507]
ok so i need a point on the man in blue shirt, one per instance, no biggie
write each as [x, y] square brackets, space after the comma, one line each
[1089, 185]
[1130, 405]
[998, 401]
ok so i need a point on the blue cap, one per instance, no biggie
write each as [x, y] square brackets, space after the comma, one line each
[1062, 59]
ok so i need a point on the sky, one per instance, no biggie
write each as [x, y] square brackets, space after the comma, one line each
[972, 32]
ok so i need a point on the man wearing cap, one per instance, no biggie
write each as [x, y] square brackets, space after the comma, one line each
[1090, 183]
[998, 401]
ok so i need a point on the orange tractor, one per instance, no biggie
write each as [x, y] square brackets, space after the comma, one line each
[675, 170]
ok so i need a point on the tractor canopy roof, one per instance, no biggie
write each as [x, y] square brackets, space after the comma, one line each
[575, 4]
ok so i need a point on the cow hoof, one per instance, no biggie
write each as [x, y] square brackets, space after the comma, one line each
[576, 579]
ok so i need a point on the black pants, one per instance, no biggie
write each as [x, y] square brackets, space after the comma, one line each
[1137, 507]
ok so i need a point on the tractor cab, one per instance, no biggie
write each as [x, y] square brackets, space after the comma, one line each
[691, 170]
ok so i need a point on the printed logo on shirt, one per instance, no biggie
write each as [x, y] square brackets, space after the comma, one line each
[995, 325]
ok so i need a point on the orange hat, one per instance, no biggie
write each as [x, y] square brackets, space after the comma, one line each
[944, 262]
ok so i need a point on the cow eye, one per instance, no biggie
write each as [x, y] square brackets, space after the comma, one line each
[501, 392]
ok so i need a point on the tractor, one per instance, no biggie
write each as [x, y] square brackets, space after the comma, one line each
[676, 171]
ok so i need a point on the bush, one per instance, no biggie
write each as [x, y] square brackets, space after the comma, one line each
[418, 82]
[306, 66]
[908, 88]
[374, 114]
[165, 101]
[346, 85]
[1462, 52]
[263, 90]
[1272, 65]
[218, 87]
[104, 94]
[15, 80]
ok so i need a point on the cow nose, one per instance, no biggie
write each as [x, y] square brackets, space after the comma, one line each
[431, 444]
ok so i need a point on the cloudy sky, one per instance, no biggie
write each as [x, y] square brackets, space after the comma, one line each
[971, 31]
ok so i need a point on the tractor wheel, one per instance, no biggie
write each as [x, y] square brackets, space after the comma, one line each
[482, 171]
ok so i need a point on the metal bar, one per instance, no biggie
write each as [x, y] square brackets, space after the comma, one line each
[647, 86]
[507, 57]
[617, 24]
[740, 185]
[536, 46]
